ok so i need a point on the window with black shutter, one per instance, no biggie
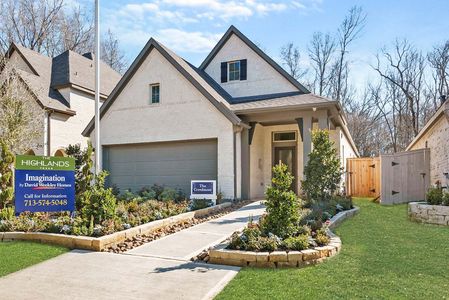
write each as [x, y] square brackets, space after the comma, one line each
[224, 72]
[243, 68]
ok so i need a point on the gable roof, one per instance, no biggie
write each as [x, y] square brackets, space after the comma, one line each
[71, 68]
[233, 30]
[441, 111]
[67, 69]
[192, 74]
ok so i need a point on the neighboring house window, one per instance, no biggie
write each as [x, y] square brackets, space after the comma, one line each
[155, 93]
[234, 70]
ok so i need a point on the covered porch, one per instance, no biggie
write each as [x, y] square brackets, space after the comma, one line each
[280, 134]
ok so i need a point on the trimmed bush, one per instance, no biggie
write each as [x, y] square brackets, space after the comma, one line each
[282, 204]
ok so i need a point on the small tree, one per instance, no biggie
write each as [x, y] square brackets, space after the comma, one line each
[6, 178]
[282, 204]
[322, 172]
[84, 176]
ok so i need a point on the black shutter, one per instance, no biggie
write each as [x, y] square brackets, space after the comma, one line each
[224, 72]
[243, 69]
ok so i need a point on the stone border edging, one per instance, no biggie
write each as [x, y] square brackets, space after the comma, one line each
[422, 212]
[101, 243]
[278, 259]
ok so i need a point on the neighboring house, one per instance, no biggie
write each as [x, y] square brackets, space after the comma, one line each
[231, 119]
[63, 90]
[435, 136]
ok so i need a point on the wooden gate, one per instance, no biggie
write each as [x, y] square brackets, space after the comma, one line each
[405, 176]
[363, 178]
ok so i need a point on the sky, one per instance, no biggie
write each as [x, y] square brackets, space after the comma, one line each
[191, 28]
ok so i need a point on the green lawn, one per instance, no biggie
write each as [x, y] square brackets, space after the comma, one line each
[384, 256]
[15, 256]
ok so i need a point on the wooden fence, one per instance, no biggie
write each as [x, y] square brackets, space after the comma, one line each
[363, 177]
[395, 178]
[405, 176]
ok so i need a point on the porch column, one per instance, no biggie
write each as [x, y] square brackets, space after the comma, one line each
[323, 120]
[305, 128]
[245, 164]
[238, 163]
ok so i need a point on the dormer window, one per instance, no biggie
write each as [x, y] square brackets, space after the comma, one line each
[234, 70]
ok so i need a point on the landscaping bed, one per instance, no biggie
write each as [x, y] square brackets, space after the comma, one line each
[423, 212]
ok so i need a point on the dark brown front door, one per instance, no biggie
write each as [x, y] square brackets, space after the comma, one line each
[287, 155]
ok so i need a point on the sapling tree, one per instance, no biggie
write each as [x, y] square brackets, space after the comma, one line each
[6, 178]
[322, 172]
[282, 204]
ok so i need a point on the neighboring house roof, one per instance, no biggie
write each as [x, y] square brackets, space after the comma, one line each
[233, 30]
[71, 68]
[187, 70]
[66, 69]
[441, 111]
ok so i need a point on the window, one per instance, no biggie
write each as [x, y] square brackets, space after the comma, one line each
[234, 70]
[155, 93]
[289, 136]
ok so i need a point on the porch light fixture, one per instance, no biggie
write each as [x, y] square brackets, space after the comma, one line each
[314, 108]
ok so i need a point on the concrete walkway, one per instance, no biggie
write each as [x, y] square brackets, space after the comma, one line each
[157, 270]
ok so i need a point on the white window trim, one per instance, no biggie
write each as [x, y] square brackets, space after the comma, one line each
[151, 94]
[285, 131]
[229, 70]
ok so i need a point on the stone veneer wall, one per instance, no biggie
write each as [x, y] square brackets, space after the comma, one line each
[279, 259]
[425, 213]
[437, 139]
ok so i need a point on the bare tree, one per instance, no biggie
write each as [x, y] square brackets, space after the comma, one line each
[404, 68]
[111, 53]
[28, 22]
[51, 27]
[349, 30]
[291, 58]
[320, 52]
[438, 59]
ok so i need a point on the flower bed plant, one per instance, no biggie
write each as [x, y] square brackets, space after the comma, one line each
[437, 196]
[291, 223]
[99, 210]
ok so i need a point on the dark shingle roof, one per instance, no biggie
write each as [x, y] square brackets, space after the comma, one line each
[68, 68]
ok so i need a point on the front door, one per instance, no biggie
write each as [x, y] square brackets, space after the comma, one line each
[287, 155]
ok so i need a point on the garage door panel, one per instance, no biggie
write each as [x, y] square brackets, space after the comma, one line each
[171, 164]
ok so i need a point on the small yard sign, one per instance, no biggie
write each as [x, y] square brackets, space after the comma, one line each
[44, 184]
[203, 189]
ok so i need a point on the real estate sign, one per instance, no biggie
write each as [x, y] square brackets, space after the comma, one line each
[44, 184]
[203, 189]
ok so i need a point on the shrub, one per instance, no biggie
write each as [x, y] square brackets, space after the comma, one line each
[167, 194]
[321, 237]
[98, 202]
[268, 243]
[128, 195]
[236, 242]
[7, 213]
[435, 196]
[297, 243]
[196, 204]
[322, 171]
[446, 199]
[282, 204]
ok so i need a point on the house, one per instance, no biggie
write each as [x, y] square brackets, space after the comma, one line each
[435, 136]
[63, 90]
[231, 119]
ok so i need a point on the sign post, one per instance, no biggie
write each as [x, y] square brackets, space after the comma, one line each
[204, 189]
[44, 184]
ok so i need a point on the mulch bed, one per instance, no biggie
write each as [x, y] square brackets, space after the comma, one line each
[139, 240]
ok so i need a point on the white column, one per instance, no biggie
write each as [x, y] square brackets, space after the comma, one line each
[238, 164]
[97, 88]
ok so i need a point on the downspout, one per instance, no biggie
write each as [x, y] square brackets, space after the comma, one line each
[47, 133]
